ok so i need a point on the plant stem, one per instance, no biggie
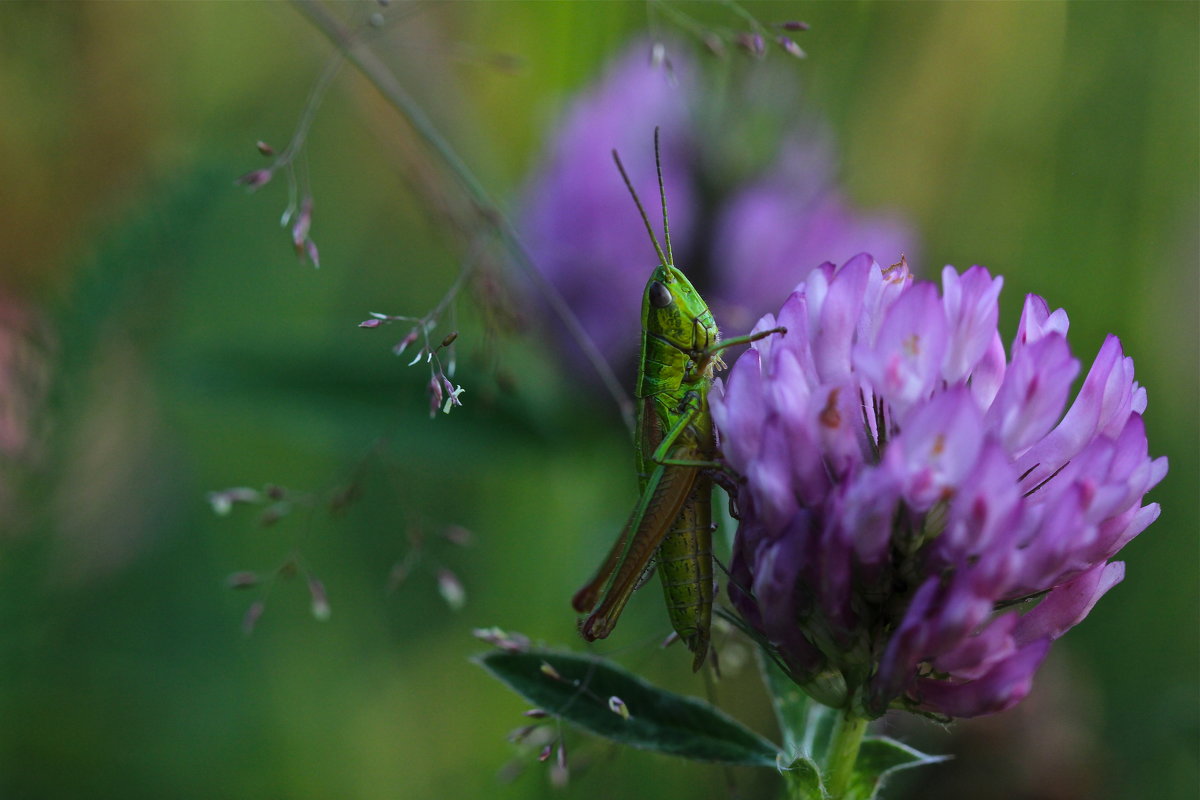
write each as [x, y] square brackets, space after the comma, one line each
[386, 83]
[843, 753]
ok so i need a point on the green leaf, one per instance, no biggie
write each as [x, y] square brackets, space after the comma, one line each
[803, 779]
[807, 725]
[880, 757]
[579, 689]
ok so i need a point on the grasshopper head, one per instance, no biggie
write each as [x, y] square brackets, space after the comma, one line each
[673, 311]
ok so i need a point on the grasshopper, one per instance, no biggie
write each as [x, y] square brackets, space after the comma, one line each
[675, 451]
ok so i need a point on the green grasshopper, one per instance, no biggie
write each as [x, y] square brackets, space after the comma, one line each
[675, 450]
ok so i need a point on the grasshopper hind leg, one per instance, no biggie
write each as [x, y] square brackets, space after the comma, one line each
[624, 570]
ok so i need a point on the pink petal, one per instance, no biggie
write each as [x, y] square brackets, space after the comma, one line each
[1067, 604]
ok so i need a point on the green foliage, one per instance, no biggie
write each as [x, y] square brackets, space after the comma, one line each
[879, 758]
[807, 726]
[581, 690]
[808, 732]
[578, 689]
[803, 779]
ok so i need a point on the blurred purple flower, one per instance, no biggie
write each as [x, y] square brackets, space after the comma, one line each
[579, 223]
[795, 217]
[907, 490]
[743, 238]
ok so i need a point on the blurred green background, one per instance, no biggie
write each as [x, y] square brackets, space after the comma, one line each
[187, 351]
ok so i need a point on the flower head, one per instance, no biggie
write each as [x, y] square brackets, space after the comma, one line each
[919, 518]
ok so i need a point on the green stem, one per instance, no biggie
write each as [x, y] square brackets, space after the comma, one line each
[843, 753]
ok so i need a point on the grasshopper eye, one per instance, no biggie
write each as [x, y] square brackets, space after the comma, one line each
[660, 297]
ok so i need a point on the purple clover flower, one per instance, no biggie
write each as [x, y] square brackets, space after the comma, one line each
[919, 518]
[739, 237]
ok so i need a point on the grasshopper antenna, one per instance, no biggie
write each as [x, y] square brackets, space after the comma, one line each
[665, 259]
[662, 196]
